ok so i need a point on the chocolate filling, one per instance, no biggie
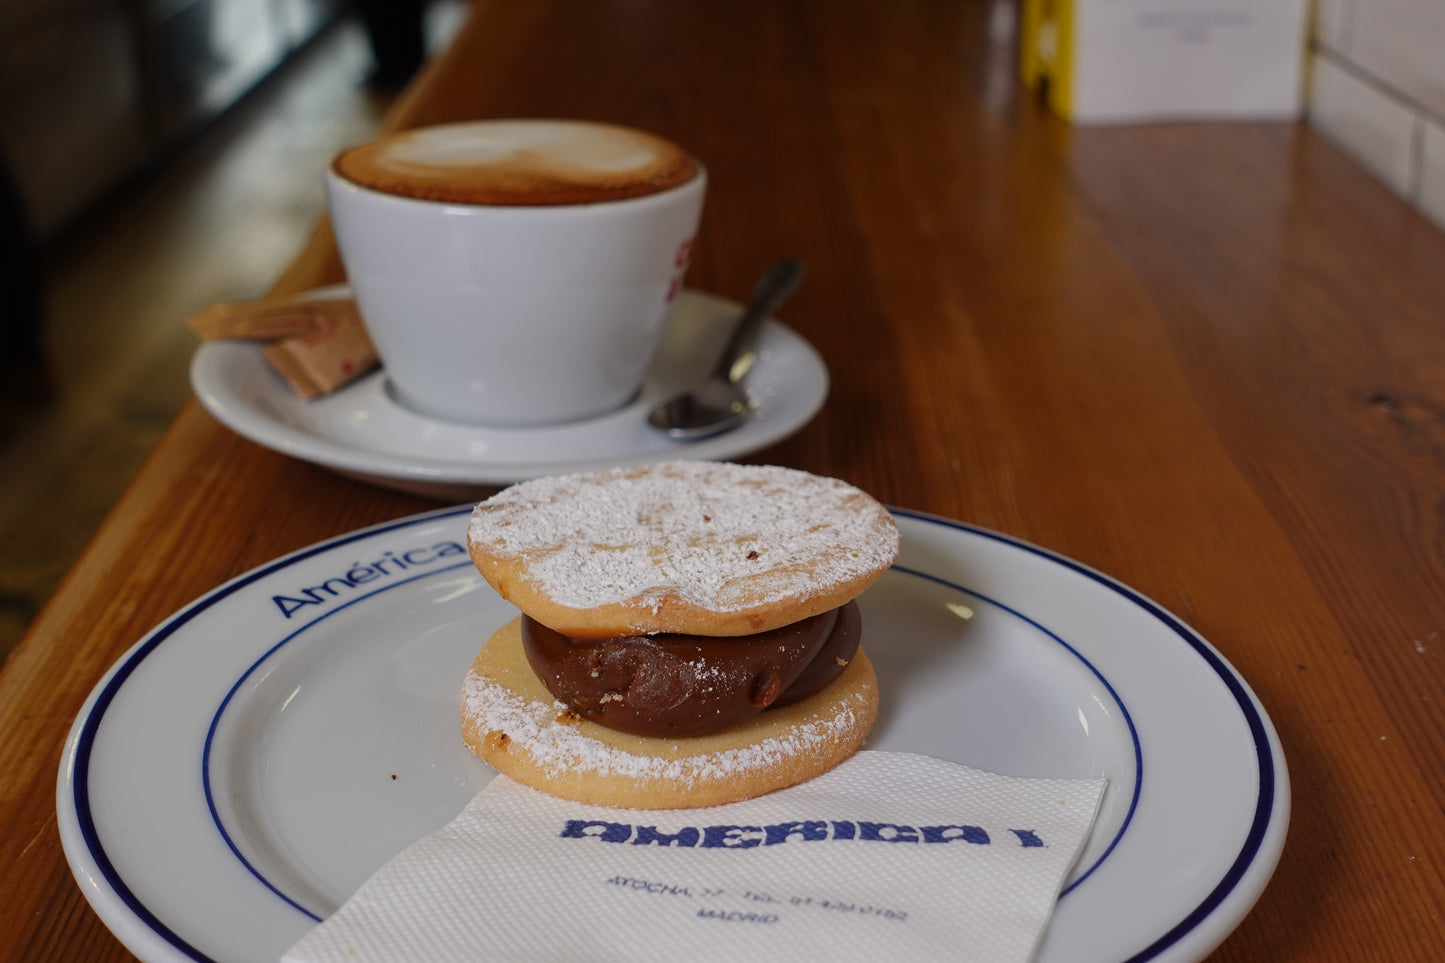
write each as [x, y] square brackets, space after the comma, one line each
[690, 685]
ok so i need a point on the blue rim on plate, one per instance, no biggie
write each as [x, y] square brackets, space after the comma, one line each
[1252, 850]
[85, 743]
[1257, 853]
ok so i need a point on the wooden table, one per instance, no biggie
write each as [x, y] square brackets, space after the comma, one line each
[1208, 360]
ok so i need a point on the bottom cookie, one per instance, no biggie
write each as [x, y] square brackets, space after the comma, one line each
[517, 726]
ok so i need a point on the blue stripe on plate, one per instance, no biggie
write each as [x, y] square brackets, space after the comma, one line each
[1123, 710]
[85, 743]
[281, 894]
[221, 710]
[1264, 758]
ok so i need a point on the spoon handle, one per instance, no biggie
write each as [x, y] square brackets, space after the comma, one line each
[773, 287]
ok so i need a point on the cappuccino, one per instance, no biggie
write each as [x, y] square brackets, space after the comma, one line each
[516, 273]
[519, 163]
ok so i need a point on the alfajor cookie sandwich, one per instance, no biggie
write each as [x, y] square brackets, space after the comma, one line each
[689, 635]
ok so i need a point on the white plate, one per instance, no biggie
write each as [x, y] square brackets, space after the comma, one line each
[254, 758]
[361, 430]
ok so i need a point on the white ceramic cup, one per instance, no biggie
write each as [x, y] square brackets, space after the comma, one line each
[518, 315]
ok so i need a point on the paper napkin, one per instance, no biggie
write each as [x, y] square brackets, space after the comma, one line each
[889, 856]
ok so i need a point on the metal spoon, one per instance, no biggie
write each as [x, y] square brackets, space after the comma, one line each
[719, 404]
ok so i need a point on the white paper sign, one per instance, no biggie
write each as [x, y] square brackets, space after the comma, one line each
[1142, 61]
[890, 855]
[1169, 59]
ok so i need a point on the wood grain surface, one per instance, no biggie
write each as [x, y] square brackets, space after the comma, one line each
[1207, 359]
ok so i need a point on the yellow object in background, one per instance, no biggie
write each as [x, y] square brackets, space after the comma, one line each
[1045, 60]
[1135, 61]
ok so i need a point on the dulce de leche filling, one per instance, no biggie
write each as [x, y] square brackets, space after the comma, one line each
[691, 685]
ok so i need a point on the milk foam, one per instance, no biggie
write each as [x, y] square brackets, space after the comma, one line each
[520, 161]
[530, 146]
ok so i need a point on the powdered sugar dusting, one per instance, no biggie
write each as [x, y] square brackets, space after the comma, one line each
[557, 748]
[719, 536]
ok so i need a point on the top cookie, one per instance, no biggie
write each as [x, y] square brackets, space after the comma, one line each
[706, 548]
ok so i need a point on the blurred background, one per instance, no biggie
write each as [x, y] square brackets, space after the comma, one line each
[158, 156]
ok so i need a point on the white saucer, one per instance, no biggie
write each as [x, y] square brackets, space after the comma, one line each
[361, 430]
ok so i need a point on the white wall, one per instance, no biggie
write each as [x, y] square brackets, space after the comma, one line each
[1377, 89]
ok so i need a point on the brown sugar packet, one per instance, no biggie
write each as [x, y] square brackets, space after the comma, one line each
[317, 346]
[266, 320]
[318, 363]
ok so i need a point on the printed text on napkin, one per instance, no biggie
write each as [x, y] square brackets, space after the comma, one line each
[890, 855]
